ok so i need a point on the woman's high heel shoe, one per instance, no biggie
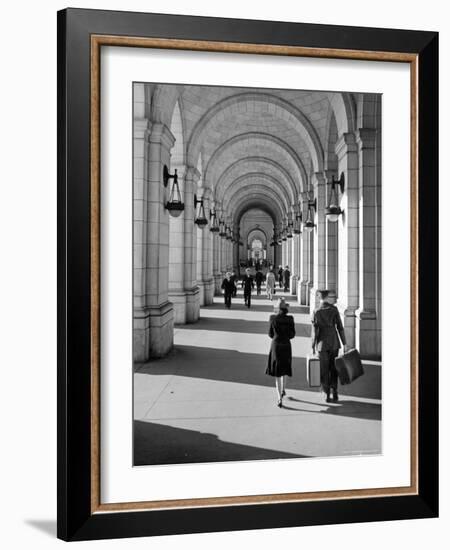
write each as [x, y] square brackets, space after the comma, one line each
[280, 403]
[283, 393]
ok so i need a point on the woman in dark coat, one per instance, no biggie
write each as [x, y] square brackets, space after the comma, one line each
[281, 330]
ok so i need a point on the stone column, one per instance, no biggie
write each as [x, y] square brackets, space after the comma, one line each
[289, 254]
[177, 294]
[295, 265]
[319, 267]
[153, 313]
[199, 235]
[207, 273]
[223, 256]
[331, 245]
[348, 257]
[306, 277]
[191, 289]
[368, 333]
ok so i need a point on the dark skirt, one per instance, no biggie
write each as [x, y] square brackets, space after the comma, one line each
[280, 359]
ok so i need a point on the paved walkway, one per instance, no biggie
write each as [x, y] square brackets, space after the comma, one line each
[209, 400]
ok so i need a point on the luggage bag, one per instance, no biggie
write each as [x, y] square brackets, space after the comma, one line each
[349, 366]
[313, 371]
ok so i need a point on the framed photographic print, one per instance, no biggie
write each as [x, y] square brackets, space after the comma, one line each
[247, 274]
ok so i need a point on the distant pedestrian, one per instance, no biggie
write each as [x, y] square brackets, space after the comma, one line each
[279, 365]
[228, 288]
[280, 276]
[234, 278]
[259, 278]
[287, 278]
[270, 284]
[247, 285]
[326, 325]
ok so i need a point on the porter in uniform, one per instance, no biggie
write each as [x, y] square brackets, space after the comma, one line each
[326, 325]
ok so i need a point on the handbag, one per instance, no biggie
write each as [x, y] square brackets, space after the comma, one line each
[349, 366]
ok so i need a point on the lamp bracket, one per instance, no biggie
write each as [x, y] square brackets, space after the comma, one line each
[167, 176]
[197, 201]
[313, 204]
[340, 182]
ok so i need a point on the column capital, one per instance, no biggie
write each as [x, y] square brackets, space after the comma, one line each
[366, 138]
[330, 174]
[318, 178]
[160, 133]
[141, 126]
[345, 144]
[192, 174]
[305, 195]
[362, 313]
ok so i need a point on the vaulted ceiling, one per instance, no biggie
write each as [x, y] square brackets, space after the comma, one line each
[254, 148]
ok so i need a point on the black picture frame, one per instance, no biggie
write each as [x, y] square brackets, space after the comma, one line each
[76, 520]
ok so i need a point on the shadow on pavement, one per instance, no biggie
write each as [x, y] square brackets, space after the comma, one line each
[349, 408]
[248, 368]
[180, 446]
[240, 325]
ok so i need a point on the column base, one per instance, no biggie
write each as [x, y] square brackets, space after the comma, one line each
[186, 305]
[314, 301]
[201, 293]
[368, 334]
[349, 321]
[209, 292]
[303, 288]
[153, 332]
[206, 292]
[192, 305]
[217, 284]
[293, 285]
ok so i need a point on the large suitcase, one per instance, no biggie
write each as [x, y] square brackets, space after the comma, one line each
[349, 366]
[313, 371]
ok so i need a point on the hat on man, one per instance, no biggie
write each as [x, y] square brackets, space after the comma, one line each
[282, 304]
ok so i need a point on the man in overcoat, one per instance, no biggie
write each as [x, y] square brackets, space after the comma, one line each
[327, 328]
[228, 288]
[287, 278]
[280, 276]
[259, 278]
[247, 285]
[234, 280]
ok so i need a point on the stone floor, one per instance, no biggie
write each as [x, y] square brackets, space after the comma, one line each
[209, 400]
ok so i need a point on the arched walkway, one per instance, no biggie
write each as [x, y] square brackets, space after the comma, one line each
[227, 179]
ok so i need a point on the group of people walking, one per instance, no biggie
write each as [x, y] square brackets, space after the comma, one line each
[327, 335]
[327, 332]
[229, 287]
[284, 277]
[248, 283]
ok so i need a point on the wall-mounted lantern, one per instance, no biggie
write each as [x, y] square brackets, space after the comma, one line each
[290, 228]
[222, 229]
[309, 224]
[201, 220]
[214, 221]
[174, 205]
[298, 220]
[280, 234]
[333, 210]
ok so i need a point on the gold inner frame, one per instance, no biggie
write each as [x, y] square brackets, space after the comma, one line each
[97, 41]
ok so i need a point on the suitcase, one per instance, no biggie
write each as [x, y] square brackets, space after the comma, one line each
[349, 366]
[313, 371]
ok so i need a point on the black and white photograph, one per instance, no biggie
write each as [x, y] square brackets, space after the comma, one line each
[222, 275]
[257, 251]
